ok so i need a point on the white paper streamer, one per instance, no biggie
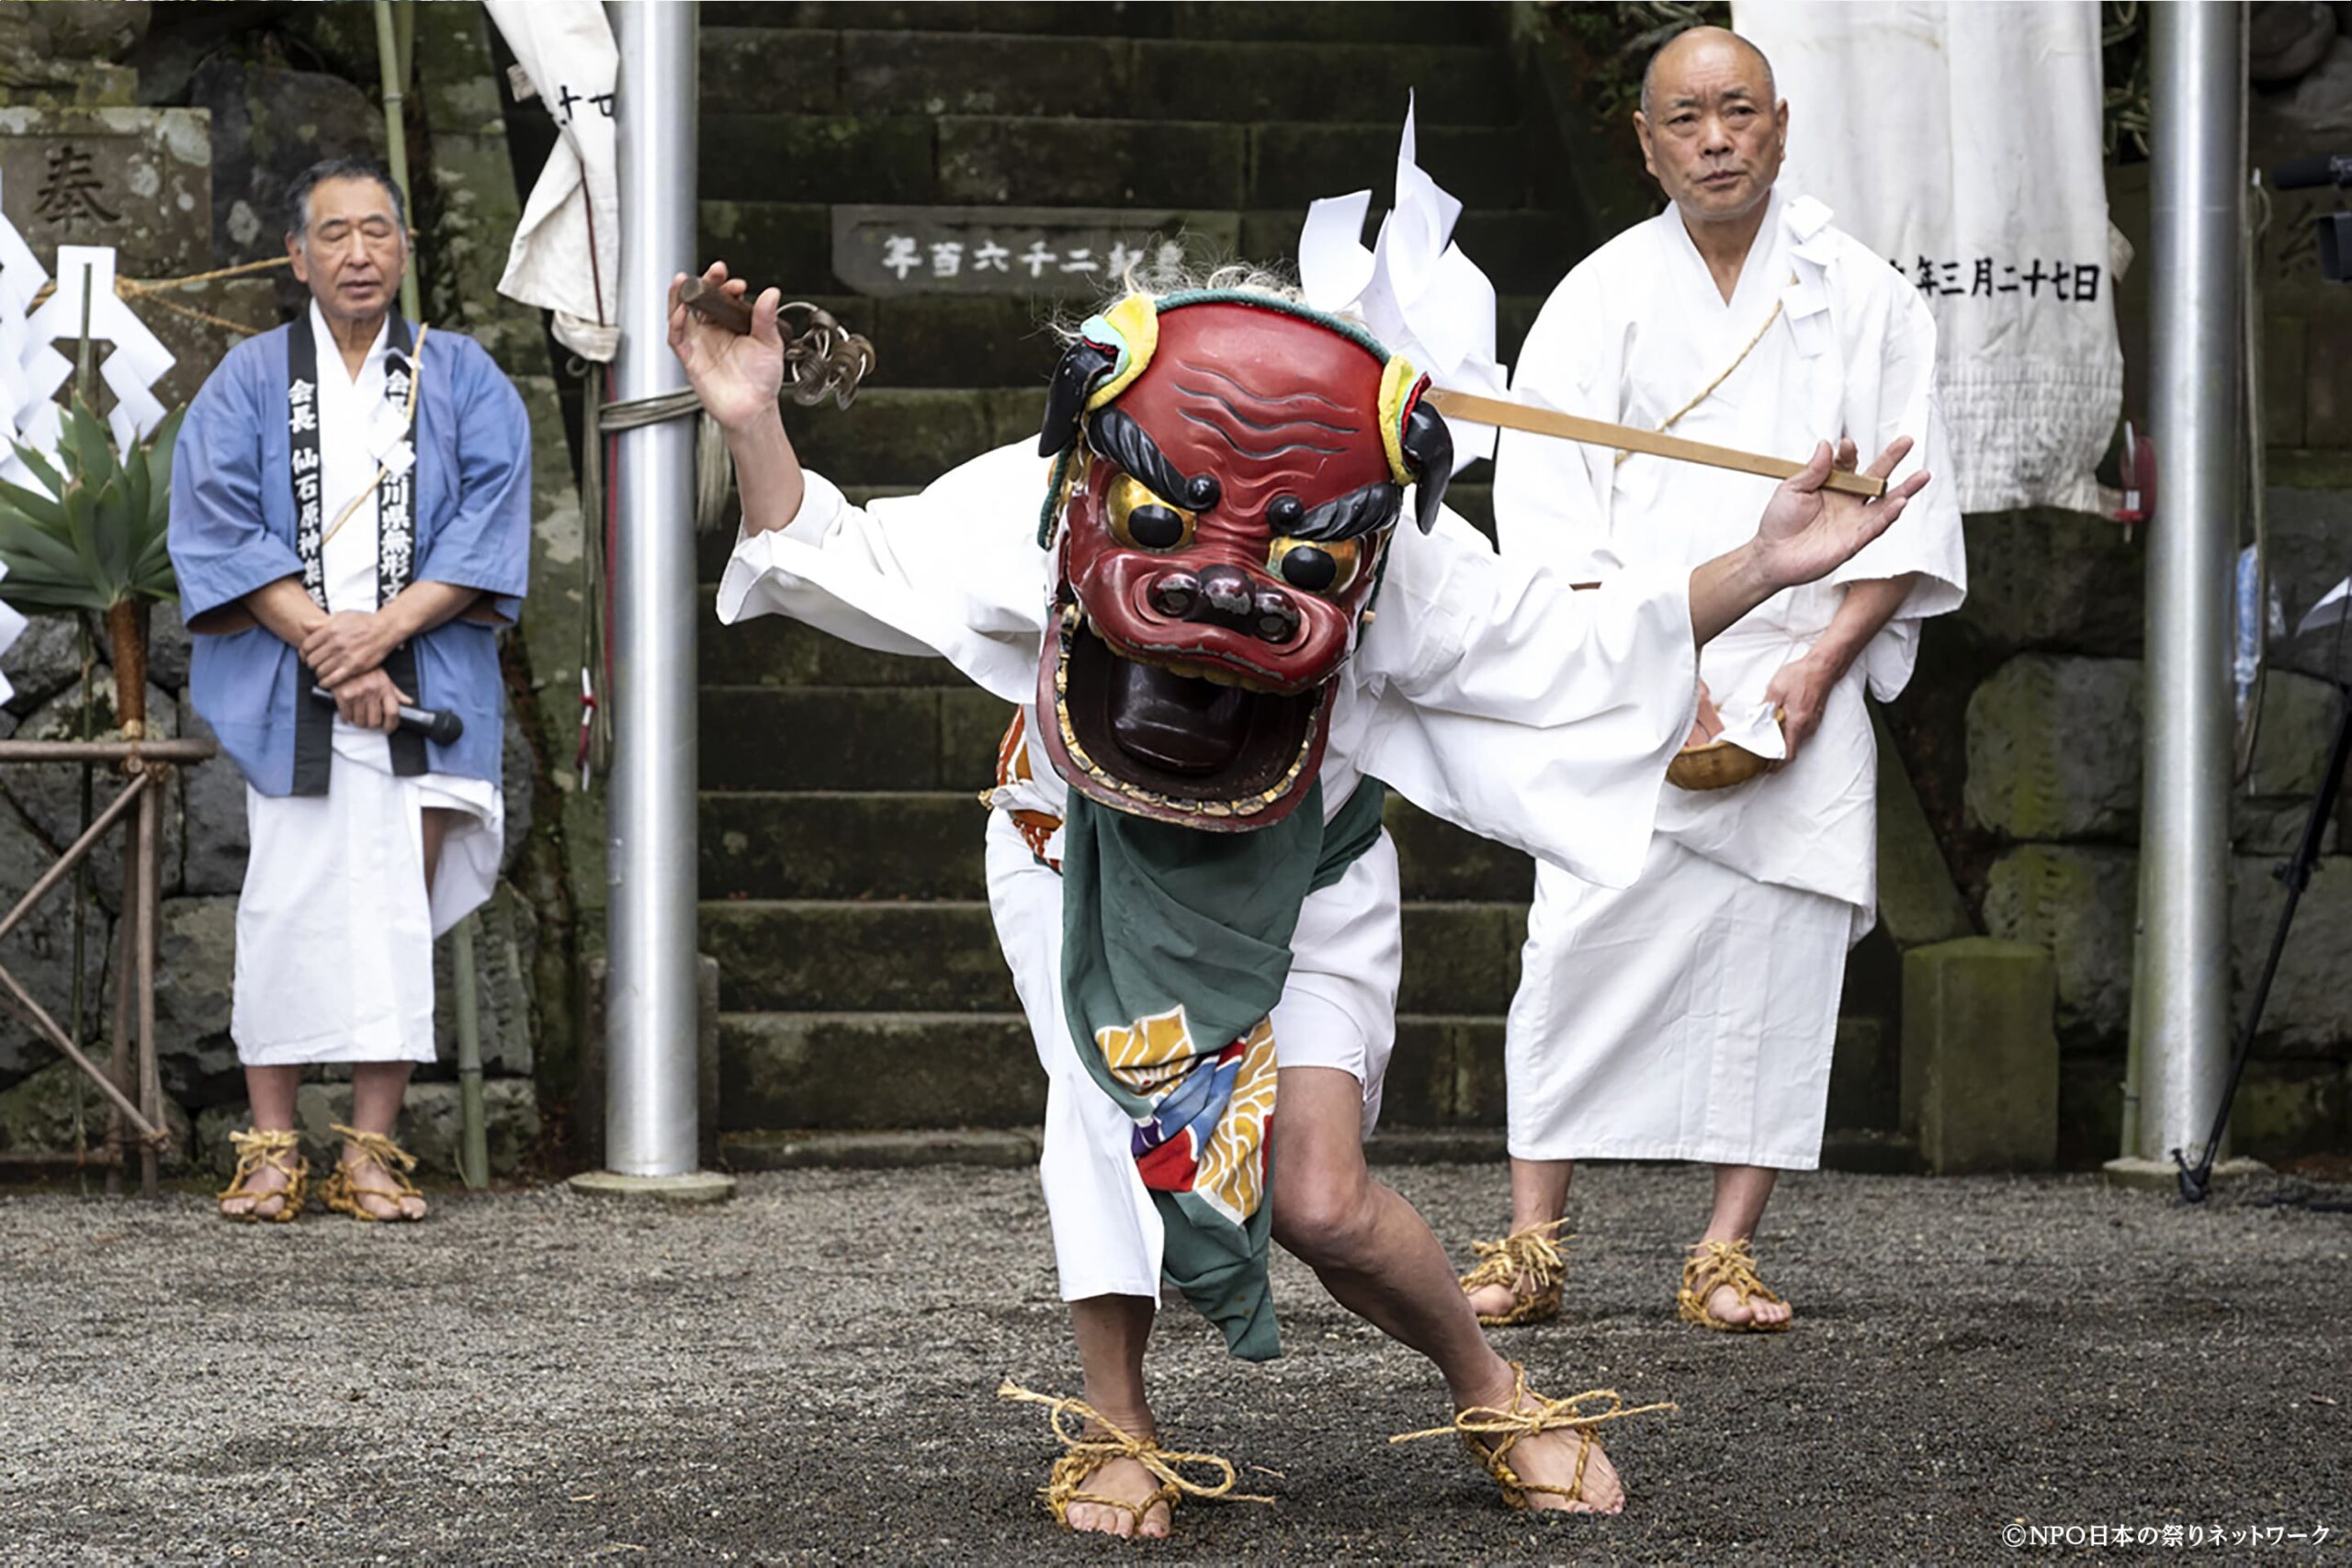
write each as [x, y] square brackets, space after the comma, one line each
[1416, 289]
[138, 359]
[12, 627]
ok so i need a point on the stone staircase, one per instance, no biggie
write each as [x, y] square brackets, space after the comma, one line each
[841, 841]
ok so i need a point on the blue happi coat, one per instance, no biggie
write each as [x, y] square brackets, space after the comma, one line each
[232, 531]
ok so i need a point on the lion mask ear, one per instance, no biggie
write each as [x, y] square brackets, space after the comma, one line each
[1082, 364]
[1428, 446]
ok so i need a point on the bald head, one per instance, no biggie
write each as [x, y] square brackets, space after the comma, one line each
[1712, 131]
[1710, 46]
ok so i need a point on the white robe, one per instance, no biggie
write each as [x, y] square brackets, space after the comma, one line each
[1631, 335]
[335, 926]
[1487, 692]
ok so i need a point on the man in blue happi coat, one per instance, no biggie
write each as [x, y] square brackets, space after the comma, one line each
[351, 509]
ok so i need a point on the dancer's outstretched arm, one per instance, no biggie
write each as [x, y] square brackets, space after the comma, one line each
[1805, 534]
[739, 376]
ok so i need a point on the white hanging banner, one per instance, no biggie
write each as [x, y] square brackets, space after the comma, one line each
[1960, 139]
[566, 256]
[21, 277]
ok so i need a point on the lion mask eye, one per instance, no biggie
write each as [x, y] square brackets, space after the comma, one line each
[1140, 520]
[1317, 566]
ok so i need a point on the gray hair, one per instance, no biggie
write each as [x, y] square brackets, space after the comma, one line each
[297, 195]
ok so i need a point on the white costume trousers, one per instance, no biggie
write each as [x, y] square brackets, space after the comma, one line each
[1338, 1010]
[1689, 1017]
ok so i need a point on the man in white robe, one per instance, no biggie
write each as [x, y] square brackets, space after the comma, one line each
[1489, 692]
[1691, 1016]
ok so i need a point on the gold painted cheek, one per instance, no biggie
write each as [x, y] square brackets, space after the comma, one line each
[1314, 566]
[1140, 520]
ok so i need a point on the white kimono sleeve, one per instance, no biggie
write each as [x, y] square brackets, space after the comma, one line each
[1551, 495]
[1529, 713]
[953, 571]
[1889, 342]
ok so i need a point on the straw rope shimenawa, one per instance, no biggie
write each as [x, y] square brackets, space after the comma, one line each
[1088, 1454]
[1534, 1255]
[132, 289]
[1530, 1414]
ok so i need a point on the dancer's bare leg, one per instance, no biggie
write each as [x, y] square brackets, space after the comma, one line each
[1741, 1193]
[1112, 1332]
[1539, 1196]
[1376, 1256]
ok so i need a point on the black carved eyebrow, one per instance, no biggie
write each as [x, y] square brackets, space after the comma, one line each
[1117, 437]
[1354, 515]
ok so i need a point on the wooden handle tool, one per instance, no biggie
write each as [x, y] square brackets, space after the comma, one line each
[1477, 410]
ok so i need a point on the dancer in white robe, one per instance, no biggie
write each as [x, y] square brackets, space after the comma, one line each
[1490, 692]
[1691, 1016]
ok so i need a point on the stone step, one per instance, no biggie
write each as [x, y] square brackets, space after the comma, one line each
[1474, 498]
[897, 845]
[785, 956]
[771, 650]
[910, 436]
[849, 737]
[872, 72]
[916, 159]
[1364, 21]
[782, 1071]
[1523, 252]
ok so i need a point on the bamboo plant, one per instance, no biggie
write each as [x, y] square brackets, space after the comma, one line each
[97, 541]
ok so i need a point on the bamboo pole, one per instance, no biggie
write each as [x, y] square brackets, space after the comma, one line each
[72, 859]
[150, 1079]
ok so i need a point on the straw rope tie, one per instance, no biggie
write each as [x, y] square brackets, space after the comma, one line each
[1712, 1266]
[1087, 1455]
[278, 1150]
[1533, 1254]
[343, 1194]
[1532, 1413]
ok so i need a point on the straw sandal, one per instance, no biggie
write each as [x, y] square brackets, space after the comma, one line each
[1490, 1435]
[280, 1151]
[1712, 1265]
[1533, 1255]
[342, 1195]
[1065, 1485]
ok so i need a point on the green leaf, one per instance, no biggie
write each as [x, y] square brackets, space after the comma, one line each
[42, 469]
[161, 444]
[86, 439]
[26, 545]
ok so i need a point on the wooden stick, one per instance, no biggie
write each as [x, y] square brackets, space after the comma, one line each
[733, 314]
[1477, 410]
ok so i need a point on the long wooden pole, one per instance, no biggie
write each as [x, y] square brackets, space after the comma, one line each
[1477, 410]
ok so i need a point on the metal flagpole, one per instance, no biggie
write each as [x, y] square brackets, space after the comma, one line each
[2196, 165]
[650, 1004]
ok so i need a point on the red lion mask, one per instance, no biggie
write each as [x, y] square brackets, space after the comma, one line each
[1243, 464]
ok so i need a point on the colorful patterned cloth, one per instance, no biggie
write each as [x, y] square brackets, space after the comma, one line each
[1175, 948]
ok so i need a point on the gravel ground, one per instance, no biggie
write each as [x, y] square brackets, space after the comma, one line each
[807, 1374]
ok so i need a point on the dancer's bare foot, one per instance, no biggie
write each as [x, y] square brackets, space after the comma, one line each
[366, 1173]
[1130, 1483]
[1550, 1459]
